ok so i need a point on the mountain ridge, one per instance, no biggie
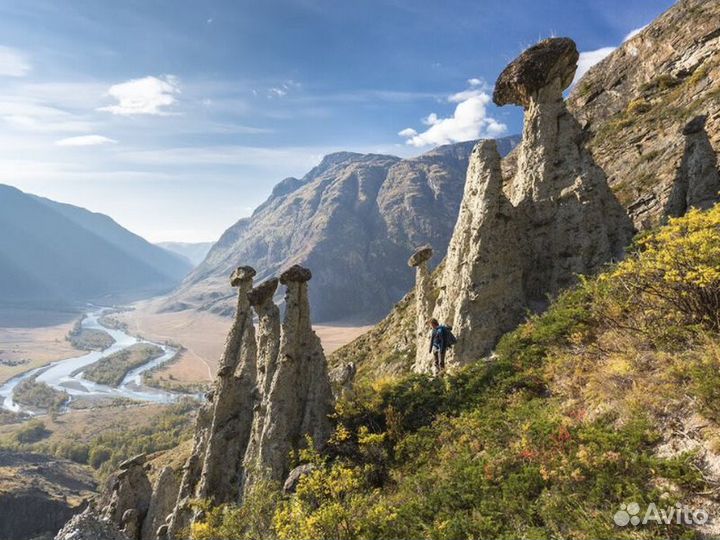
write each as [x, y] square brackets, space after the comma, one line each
[347, 218]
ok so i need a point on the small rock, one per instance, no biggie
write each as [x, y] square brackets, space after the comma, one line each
[293, 479]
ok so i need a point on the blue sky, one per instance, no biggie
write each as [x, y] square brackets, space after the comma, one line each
[177, 117]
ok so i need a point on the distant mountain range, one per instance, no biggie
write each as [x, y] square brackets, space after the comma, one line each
[56, 257]
[354, 220]
[194, 252]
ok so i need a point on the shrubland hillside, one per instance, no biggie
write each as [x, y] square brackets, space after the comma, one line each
[609, 397]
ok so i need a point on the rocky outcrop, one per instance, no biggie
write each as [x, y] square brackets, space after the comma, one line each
[353, 219]
[513, 247]
[129, 497]
[88, 526]
[272, 390]
[424, 298]
[697, 184]
[162, 503]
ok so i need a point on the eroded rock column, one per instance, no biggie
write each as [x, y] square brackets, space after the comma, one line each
[233, 402]
[299, 399]
[481, 295]
[268, 344]
[129, 497]
[424, 302]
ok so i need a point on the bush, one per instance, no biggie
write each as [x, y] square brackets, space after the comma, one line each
[673, 278]
[31, 432]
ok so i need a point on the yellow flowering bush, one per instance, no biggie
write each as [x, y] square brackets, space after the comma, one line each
[674, 272]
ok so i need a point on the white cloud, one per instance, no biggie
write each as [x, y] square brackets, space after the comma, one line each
[85, 140]
[589, 58]
[469, 121]
[28, 115]
[634, 33]
[13, 63]
[149, 95]
[283, 89]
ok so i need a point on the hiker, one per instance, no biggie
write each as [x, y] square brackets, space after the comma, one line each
[438, 345]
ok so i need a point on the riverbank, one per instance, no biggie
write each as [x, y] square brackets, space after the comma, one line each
[23, 349]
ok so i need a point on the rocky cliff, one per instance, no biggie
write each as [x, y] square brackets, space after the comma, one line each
[352, 219]
[635, 104]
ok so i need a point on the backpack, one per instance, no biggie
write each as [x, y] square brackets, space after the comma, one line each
[450, 338]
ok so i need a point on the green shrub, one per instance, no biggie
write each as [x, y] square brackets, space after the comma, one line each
[31, 432]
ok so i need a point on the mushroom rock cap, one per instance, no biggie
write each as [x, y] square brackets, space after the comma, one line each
[421, 255]
[696, 125]
[242, 273]
[536, 68]
[295, 273]
[263, 292]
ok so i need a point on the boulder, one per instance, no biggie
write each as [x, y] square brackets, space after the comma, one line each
[293, 479]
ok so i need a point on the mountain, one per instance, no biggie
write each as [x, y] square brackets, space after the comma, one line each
[195, 252]
[54, 256]
[354, 219]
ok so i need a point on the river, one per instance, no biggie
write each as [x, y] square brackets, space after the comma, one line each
[59, 375]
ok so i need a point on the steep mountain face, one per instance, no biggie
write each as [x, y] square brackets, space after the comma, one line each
[635, 104]
[54, 256]
[352, 219]
[195, 252]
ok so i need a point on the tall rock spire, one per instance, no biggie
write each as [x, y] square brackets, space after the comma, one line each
[233, 403]
[697, 182]
[481, 295]
[299, 399]
[423, 297]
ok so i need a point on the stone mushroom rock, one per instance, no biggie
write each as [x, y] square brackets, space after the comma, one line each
[233, 402]
[421, 255]
[509, 253]
[299, 400]
[162, 503]
[697, 181]
[552, 62]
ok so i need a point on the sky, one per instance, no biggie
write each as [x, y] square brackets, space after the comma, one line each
[177, 117]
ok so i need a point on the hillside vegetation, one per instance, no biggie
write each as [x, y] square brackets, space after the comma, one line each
[610, 397]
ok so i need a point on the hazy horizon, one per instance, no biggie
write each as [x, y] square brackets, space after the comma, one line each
[177, 119]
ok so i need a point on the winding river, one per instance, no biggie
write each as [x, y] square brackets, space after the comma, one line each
[59, 375]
